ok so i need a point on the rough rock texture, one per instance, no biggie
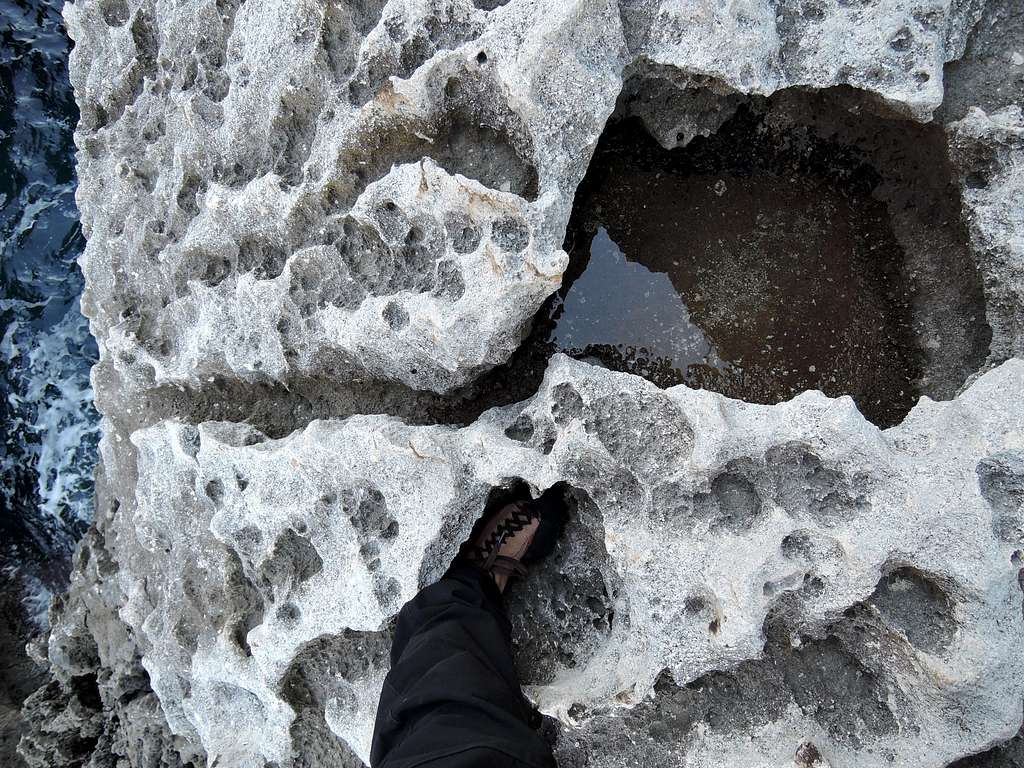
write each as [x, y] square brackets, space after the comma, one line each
[988, 151]
[315, 208]
[731, 547]
[18, 675]
[990, 74]
[381, 189]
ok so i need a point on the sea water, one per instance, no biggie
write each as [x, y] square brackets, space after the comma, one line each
[50, 428]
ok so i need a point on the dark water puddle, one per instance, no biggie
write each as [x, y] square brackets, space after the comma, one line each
[744, 263]
[614, 297]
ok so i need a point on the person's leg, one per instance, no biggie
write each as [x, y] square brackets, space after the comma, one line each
[452, 696]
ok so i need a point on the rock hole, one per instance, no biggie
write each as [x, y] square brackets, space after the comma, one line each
[565, 608]
[510, 234]
[711, 264]
[1020, 582]
[190, 440]
[215, 491]
[810, 547]
[246, 602]
[369, 550]
[115, 12]
[808, 756]
[695, 604]
[852, 702]
[87, 689]
[395, 315]
[566, 403]
[339, 41]
[325, 670]
[474, 132]
[521, 430]
[371, 265]
[367, 510]
[1001, 482]
[191, 185]
[294, 128]
[484, 141]
[1009, 754]
[668, 441]
[376, 529]
[143, 32]
[787, 583]
[264, 259]
[449, 283]
[186, 633]
[388, 592]
[914, 604]
[462, 233]
[845, 697]
[410, 45]
[293, 561]
[718, 700]
[733, 502]
[805, 487]
[248, 538]
[288, 612]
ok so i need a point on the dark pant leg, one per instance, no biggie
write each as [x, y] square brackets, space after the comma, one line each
[452, 696]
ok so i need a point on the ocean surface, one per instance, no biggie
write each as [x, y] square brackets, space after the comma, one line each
[50, 428]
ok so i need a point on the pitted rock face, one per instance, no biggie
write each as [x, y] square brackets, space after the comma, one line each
[988, 151]
[285, 189]
[739, 571]
[302, 208]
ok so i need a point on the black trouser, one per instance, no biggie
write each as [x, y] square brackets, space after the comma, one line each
[452, 696]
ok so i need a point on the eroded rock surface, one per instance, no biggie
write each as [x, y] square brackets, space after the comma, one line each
[381, 189]
[737, 572]
[301, 210]
[989, 153]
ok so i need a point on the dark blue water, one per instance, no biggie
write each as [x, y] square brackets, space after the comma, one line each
[50, 428]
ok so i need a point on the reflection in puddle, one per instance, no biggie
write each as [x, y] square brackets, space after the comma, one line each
[615, 302]
[753, 269]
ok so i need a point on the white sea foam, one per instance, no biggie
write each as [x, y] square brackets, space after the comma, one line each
[52, 409]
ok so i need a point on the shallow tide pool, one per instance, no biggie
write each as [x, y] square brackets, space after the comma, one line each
[739, 264]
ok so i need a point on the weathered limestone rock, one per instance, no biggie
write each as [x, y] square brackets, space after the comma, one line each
[316, 207]
[990, 74]
[288, 189]
[989, 153]
[882, 561]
